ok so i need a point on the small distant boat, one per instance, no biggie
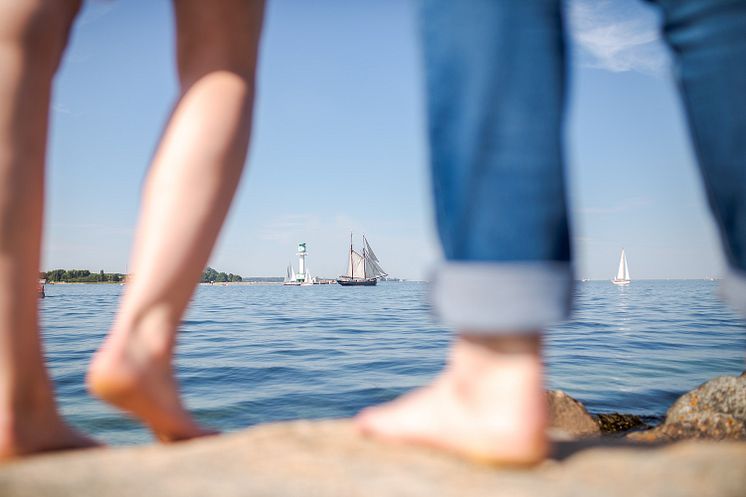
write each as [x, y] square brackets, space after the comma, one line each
[622, 275]
[307, 280]
[362, 269]
[290, 278]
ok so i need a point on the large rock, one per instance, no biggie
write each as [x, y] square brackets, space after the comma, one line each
[568, 418]
[616, 423]
[329, 459]
[715, 410]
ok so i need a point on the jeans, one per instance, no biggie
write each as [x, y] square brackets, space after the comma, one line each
[495, 76]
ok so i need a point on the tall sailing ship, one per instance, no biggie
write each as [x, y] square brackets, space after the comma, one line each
[622, 275]
[362, 269]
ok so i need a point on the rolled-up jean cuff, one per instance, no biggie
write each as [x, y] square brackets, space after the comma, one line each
[733, 289]
[501, 298]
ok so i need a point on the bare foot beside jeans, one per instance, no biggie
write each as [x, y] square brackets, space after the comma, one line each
[488, 404]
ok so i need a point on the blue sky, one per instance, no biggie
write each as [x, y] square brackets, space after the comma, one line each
[339, 142]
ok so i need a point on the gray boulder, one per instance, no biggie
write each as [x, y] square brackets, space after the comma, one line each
[715, 410]
[568, 418]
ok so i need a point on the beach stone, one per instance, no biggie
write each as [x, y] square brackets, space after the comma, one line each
[715, 410]
[330, 459]
[569, 417]
[616, 423]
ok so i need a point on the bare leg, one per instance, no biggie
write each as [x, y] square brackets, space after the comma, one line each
[489, 404]
[33, 35]
[186, 197]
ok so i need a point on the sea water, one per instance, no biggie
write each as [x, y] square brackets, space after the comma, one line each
[255, 354]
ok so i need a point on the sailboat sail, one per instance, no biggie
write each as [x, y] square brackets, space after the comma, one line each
[622, 267]
[369, 252]
[373, 269]
[622, 274]
[357, 265]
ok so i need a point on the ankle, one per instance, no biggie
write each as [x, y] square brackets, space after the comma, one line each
[34, 396]
[151, 331]
[503, 343]
[482, 369]
[25, 418]
[473, 355]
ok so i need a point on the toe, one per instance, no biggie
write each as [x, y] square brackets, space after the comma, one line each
[364, 420]
[386, 422]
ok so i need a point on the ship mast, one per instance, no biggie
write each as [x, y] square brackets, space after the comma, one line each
[352, 263]
[365, 273]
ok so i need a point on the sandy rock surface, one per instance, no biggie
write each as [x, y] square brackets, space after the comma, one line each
[328, 458]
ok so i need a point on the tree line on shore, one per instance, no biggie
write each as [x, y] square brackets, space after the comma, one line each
[210, 275]
[80, 276]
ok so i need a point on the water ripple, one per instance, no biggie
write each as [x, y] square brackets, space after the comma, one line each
[252, 354]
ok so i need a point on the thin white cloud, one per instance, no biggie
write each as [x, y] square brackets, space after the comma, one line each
[286, 228]
[625, 205]
[95, 10]
[62, 109]
[99, 229]
[616, 39]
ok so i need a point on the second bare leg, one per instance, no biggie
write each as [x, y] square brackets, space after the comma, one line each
[186, 197]
[33, 35]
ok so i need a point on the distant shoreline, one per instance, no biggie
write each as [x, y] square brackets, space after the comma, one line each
[243, 283]
[222, 283]
[84, 283]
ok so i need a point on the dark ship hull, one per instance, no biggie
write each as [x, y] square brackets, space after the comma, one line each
[357, 282]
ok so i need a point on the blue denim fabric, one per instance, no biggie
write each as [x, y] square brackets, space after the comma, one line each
[495, 82]
[708, 41]
[495, 76]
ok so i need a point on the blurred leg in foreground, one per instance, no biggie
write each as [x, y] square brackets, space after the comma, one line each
[33, 35]
[708, 43]
[186, 197]
[495, 85]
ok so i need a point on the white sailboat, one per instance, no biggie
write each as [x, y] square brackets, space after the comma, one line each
[622, 275]
[362, 269]
[290, 278]
[307, 280]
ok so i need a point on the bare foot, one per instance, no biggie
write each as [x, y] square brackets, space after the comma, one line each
[38, 430]
[134, 373]
[488, 405]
